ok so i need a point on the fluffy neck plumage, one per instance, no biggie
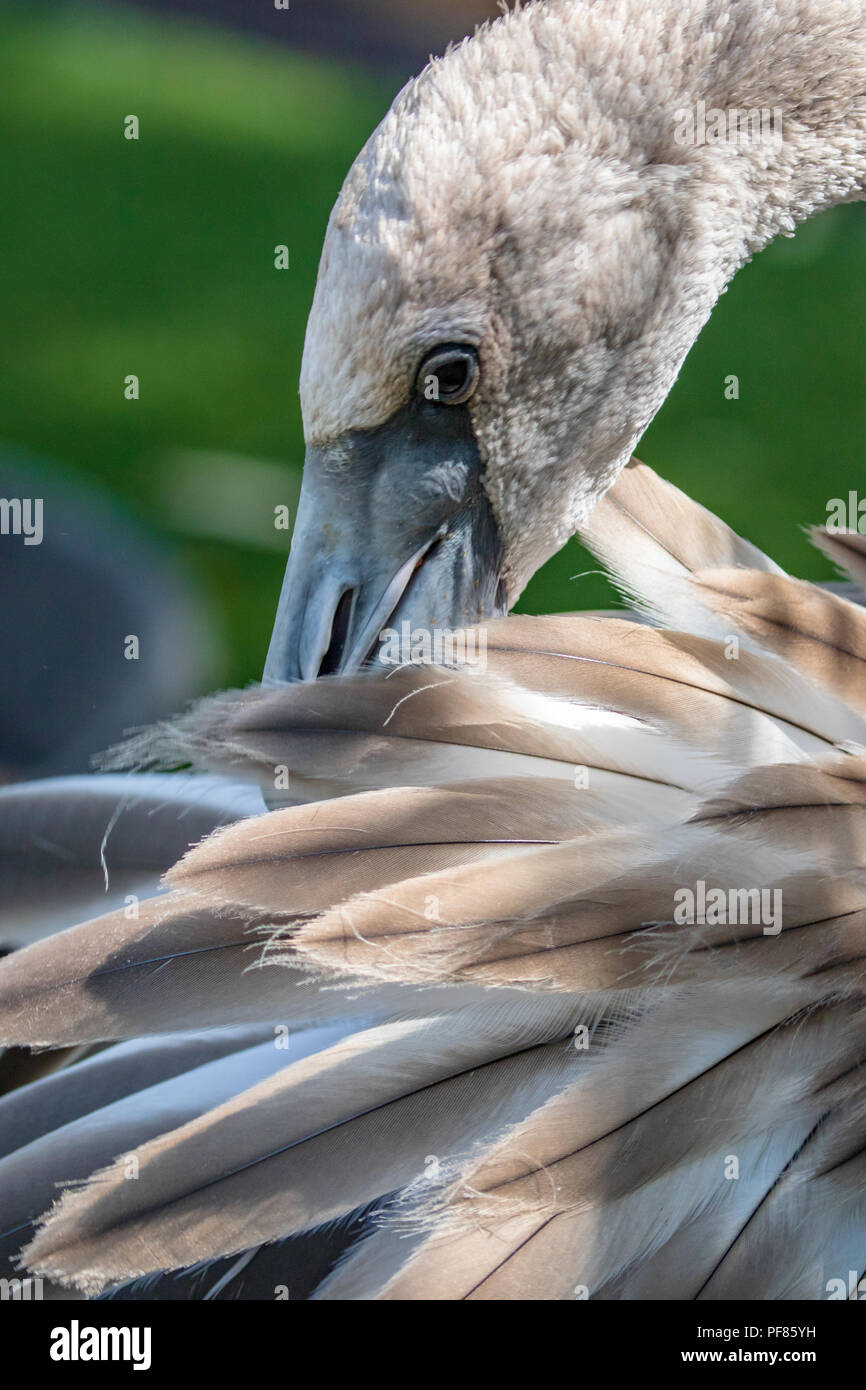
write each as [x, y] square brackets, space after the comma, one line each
[804, 61]
[773, 96]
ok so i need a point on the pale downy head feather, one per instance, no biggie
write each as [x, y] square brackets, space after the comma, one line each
[529, 194]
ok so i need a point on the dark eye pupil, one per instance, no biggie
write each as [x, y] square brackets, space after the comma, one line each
[452, 376]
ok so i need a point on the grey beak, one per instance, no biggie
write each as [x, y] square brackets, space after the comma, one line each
[393, 526]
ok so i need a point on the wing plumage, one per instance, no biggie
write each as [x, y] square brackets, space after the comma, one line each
[569, 968]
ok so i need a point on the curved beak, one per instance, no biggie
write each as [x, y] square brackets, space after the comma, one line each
[393, 527]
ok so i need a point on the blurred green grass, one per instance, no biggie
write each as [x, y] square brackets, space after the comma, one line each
[156, 257]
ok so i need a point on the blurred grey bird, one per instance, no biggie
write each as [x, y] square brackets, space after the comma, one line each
[71, 596]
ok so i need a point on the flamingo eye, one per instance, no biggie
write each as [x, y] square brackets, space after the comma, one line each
[449, 374]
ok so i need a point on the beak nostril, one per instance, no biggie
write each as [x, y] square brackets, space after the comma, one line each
[339, 633]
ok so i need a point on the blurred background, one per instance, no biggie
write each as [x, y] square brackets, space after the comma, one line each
[155, 258]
